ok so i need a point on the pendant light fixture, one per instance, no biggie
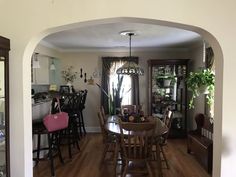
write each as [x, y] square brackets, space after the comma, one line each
[36, 64]
[52, 66]
[130, 68]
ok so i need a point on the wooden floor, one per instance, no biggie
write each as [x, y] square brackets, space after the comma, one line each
[86, 163]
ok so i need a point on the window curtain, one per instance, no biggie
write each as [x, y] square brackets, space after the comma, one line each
[209, 58]
[106, 67]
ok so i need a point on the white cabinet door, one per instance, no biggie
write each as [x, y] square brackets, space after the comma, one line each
[41, 74]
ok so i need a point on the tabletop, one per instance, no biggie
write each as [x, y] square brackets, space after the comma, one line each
[112, 125]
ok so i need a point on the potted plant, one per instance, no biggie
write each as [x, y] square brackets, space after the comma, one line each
[165, 80]
[202, 81]
[69, 75]
[116, 96]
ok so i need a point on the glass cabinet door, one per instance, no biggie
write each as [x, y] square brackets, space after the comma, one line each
[168, 90]
[2, 121]
[167, 87]
[4, 111]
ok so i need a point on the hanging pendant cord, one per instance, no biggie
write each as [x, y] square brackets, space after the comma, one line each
[130, 34]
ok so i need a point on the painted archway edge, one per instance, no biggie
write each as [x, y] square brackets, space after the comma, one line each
[218, 55]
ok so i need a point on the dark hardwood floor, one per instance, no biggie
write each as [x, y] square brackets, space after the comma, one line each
[86, 163]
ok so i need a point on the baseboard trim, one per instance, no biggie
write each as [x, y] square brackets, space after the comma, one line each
[93, 129]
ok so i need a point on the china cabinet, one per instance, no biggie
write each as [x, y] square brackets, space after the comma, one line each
[4, 108]
[167, 88]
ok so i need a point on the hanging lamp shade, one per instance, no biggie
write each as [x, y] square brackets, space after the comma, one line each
[130, 68]
[52, 66]
[36, 64]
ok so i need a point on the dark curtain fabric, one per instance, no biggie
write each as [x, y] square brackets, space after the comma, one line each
[106, 66]
[135, 90]
[135, 87]
[209, 57]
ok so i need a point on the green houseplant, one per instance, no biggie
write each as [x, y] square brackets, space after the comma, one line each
[202, 81]
[116, 96]
[69, 75]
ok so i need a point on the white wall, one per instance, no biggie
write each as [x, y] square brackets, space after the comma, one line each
[91, 60]
[25, 24]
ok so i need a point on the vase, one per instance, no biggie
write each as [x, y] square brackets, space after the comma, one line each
[70, 86]
[203, 89]
[167, 82]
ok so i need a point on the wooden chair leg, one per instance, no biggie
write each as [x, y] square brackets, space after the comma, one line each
[125, 169]
[164, 156]
[104, 153]
[158, 159]
[149, 169]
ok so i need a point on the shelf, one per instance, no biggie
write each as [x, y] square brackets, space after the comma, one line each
[164, 93]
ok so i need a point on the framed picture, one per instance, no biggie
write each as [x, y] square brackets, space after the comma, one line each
[64, 89]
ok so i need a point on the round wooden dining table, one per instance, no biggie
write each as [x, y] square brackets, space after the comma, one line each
[113, 127]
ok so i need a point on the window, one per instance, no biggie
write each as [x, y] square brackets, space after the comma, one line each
[129, 90]
[125, 91]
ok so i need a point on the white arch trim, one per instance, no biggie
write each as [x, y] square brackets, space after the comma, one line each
[27, 112]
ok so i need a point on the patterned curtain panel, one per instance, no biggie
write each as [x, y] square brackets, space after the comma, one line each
[107, 63]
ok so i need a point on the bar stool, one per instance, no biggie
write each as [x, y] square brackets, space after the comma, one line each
[71, 134]
[80, 118]
[53, 139]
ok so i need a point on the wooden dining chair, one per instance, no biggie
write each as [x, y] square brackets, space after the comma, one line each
[163, 141]
[104, 115]
[136, 144]
[109, 140]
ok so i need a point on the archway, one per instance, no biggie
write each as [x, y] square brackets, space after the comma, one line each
[206, 35]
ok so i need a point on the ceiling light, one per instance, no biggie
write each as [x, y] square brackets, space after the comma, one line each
[35, 61]
[130, 68]
[52, 66]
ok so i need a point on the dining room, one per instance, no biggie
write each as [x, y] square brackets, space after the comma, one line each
[127, 81]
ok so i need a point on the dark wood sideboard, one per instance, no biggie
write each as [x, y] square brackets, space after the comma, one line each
[200, 142]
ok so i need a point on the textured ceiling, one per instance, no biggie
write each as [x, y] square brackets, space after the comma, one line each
[106, 36]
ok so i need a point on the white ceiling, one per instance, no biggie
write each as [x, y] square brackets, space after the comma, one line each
[106, 36]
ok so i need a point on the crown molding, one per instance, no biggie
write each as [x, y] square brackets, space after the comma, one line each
[145, 49]
[118, 49]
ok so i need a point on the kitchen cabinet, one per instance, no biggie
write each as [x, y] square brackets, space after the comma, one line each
[41, 75]
[44, 75]
[167, 88]
[55, 75]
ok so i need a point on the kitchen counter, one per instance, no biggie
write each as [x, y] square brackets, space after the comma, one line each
[41, 109]
[41, 102]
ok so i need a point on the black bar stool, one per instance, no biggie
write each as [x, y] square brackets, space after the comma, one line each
[53, 146]
[81, 125]
[68, 104]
